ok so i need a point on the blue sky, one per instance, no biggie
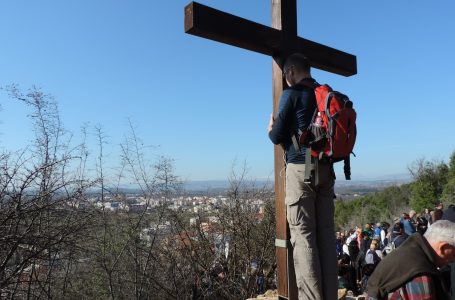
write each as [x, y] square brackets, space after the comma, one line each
[206, 104]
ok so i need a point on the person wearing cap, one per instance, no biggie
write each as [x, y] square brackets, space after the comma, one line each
[412, 271]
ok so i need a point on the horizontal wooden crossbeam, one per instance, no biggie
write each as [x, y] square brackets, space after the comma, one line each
[207, 22]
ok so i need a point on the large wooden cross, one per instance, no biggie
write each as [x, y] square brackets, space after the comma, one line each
[277, 41]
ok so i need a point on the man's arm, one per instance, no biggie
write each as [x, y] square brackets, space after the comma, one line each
[278, 129]
[272, 120]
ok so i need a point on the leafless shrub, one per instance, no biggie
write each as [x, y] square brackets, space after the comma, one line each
[59, 239]
[40, 197]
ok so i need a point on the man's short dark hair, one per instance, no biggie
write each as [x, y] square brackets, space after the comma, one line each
[299, 61]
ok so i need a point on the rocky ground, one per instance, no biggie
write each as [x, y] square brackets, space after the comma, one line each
[273, 295]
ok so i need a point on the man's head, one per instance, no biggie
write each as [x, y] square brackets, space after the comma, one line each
[441, 237]
[412, 214]
[296, 68]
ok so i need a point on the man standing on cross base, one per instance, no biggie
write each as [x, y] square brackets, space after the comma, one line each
[309, 200]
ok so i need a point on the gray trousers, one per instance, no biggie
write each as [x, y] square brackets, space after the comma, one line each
[310, 214]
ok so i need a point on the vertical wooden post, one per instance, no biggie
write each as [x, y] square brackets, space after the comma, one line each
[287, 288]
[280, 208]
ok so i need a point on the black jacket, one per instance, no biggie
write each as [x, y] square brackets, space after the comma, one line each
[414, 257]
[296, 109]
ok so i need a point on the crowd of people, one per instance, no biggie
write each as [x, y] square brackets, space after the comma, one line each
[361, 250]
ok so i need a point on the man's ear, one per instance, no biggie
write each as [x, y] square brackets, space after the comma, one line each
[444, 248]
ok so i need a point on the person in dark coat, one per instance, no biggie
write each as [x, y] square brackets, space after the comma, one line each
[421, 279]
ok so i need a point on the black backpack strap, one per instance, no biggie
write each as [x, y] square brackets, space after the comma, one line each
[308, 166]
[347, 168]
[295, 143]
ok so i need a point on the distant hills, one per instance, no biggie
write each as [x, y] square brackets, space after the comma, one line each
[376, 183]
[213, 187]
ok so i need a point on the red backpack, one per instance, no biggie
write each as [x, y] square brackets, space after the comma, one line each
[333, 128]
